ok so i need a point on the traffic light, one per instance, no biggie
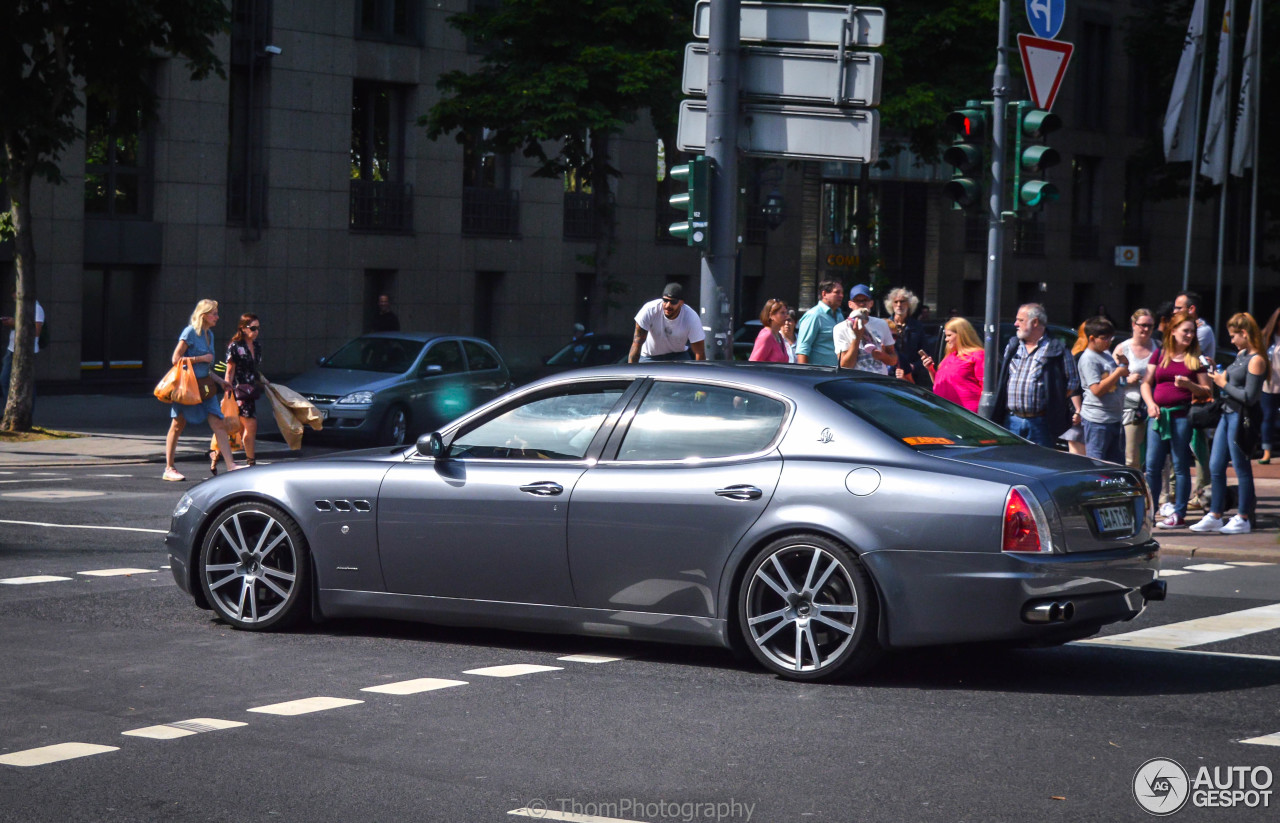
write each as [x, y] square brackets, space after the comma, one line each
[1032, 156]
[966, 154]
[697, 175]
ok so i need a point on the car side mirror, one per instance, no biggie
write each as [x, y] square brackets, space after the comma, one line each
[432, 445]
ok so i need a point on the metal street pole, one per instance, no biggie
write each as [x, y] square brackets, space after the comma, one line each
[719, 263]
[995, 225]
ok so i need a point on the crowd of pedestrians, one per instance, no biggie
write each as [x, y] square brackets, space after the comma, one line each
[1156, 401]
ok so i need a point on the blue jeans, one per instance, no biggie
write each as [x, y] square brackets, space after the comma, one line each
[1104, 441]
[1158, 451]
[1270, 402]
[1035, 429]
[1224, 444]
[660, 358]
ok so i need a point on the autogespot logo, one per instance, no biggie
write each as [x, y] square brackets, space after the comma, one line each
[1161, 786]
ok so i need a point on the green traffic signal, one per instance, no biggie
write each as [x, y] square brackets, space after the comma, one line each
[966, 154]
[696, 174]
[1032, 156]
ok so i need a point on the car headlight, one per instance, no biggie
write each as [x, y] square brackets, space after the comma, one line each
[358, 398]
[183, 505]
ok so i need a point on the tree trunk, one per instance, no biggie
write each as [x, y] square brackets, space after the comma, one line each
[17, 411]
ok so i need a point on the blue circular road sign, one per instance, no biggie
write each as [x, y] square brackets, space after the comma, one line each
[1046, 17]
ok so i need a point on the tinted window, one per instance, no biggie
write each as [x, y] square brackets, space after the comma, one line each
[444, 354]
[914, 415]
[479, 358]
[676, 421]
[556, 426]
[380, 354]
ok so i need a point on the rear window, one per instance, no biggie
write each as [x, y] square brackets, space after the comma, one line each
[916, 416]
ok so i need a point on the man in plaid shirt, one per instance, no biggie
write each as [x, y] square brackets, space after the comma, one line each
[1039, 393]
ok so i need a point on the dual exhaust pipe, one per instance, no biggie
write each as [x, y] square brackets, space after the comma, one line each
[1053, 611]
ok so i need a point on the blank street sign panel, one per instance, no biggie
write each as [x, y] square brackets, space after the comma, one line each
[804, 24]
[791, 131]
[799, 75]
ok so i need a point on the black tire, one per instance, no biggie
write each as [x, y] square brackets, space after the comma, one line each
[394, 430]
[807, 610]
[254, 569]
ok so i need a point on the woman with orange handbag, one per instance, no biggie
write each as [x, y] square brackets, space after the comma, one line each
[196, 343]
[244, 359]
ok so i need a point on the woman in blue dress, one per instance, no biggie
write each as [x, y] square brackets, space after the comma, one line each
[196, 342]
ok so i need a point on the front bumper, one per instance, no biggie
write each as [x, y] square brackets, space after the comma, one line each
[934, 597]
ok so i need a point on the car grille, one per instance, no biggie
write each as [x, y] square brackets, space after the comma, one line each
[322, 399]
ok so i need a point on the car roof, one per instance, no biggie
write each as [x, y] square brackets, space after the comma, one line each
[776, 376]
[418, 336]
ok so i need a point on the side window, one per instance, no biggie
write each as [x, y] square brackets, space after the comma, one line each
[557, 426]
[444, 354]
[677, 421]
[479, 358]
[602, 354]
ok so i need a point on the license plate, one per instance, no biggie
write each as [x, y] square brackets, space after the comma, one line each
[1115, 519]
[324, 414]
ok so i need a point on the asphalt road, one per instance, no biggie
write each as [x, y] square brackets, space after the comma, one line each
[636, 732]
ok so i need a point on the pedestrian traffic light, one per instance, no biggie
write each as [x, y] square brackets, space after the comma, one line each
[1032, 156]
[696, 174]
[969, 125]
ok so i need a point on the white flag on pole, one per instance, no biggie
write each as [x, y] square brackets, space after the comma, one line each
[1242, 151]
[1179, 118]
[1213, 163]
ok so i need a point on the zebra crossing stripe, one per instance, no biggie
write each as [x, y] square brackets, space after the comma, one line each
[1197, 632]
[183, 728]
[53, 754]
[306, 705]
[1266, 740]
[422, 684]
[36, 578]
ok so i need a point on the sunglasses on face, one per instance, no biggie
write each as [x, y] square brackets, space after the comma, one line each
[252, 328]
[670, 300]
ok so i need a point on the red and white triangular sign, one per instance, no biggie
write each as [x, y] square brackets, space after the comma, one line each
[1045, 63]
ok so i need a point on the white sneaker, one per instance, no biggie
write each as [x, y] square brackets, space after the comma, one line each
[1167, 509]
[1237, 525]
[1209, 523]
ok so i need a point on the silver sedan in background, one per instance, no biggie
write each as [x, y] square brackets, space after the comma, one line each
[810, 517]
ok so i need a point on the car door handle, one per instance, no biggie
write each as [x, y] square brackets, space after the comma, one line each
[740, 492]
[544, 488]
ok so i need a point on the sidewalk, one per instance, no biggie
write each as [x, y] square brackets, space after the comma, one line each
[120, 429]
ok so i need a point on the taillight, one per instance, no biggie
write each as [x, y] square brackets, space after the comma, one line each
[1022, 526]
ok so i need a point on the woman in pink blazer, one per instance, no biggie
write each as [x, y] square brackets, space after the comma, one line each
[769, 347]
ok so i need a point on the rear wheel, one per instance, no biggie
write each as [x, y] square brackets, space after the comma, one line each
[253, 567]
[395, 427]
[807, 610]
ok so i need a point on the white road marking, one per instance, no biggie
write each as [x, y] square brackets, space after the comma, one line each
[53, 494]
[53, 754]
[588, 658]
[305, 706]
[116, 572]
[422, 684]
[1208, 567]
[184, 728]
[77, 526]
[1248, 563]
[514, 670]
[37, 578]
[568, 817]
[1172, 572]
[40, 480]
[1265, 740]
[111, 475]
[1197, 632]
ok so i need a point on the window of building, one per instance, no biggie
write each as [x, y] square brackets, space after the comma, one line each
[1133, 219]
[1093, 55]
[117, 175]
[488, 302]
[490, 207]
[581, 220]
[380, 199]
[248, 75]
[1084, 207]
[393, 21]
[113, 328]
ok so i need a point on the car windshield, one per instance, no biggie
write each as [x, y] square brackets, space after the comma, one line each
[916, 416]
[381, 354]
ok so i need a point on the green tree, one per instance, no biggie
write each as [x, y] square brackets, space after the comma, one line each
[558, 79]
[54, 55]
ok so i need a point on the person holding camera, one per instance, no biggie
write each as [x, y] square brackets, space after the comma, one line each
[863, 342]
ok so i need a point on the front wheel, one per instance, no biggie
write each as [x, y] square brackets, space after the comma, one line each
[807, 610]
[395, 427]
[253, 567]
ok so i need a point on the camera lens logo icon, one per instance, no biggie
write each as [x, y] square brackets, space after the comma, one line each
[1161, 786]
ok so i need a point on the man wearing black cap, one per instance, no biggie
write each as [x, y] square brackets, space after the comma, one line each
[667, 329]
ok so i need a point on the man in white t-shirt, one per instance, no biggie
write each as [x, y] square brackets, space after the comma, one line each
[6, 370]
[667, 329]
[864, 342]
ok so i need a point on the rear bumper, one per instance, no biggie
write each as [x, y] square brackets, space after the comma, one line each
[934, 597]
